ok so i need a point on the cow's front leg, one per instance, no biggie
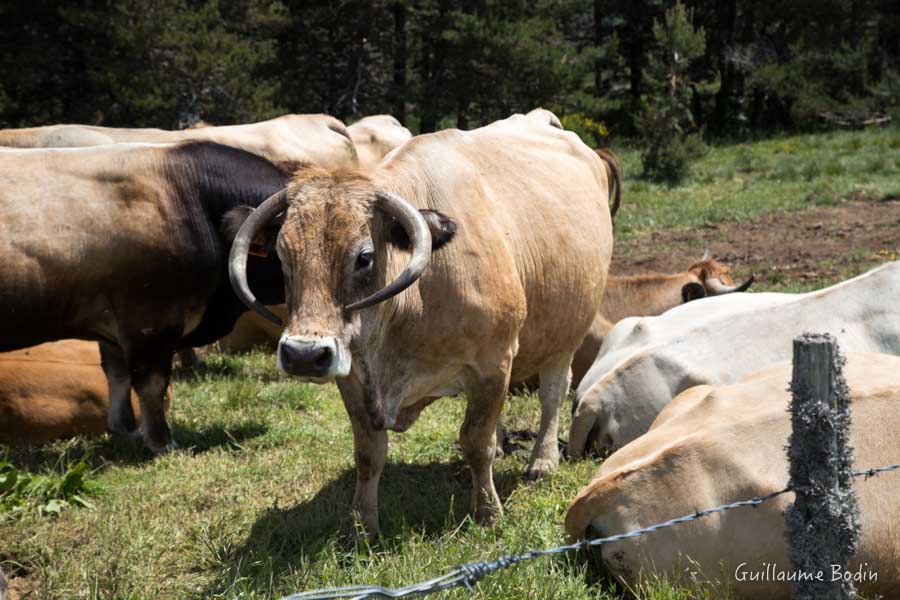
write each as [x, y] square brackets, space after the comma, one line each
[151, 370]
[478, 439]
[369, 453]
[555, 381]
[120, 419]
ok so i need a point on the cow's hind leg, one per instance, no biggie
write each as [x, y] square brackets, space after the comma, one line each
[151, 369]
[120, 419]
[555, 380]
[478, 439]
[369, 453]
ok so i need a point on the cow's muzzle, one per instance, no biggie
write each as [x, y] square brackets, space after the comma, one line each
[316, 358]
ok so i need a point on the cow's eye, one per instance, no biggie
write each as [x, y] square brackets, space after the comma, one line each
[364, 260]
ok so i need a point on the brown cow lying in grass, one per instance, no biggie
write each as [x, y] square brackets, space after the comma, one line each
[54, 391]
[648, 295]
[715, 445]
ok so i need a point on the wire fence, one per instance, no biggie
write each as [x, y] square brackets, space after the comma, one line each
[469, 574]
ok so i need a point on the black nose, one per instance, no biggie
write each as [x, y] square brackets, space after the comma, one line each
[306, 359]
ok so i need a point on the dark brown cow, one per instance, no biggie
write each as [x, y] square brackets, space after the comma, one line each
[126, 244]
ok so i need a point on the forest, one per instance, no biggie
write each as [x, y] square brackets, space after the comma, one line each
[730, 68]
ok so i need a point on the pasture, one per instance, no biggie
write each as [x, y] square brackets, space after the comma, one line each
[255, 502]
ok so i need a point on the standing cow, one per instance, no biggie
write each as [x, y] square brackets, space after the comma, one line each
[126, 244]
[286, 141]
[513, 293]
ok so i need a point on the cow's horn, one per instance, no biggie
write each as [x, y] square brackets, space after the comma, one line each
[237, 260]
[718, 288]
[416, 228]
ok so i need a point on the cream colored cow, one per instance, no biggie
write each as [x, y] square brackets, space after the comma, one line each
[375, 136]
[716, 445]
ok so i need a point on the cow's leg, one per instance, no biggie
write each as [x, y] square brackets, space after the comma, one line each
[120, 419]
[369, 453]
[151, 369]
[478, 439]
[555, 381]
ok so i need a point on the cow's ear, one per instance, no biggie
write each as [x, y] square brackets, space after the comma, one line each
[264, 244]
[442, 228]
[692, 291]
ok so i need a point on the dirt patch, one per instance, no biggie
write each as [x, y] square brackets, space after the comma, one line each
[821, 244]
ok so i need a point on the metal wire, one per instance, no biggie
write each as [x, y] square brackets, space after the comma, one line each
[467, 575]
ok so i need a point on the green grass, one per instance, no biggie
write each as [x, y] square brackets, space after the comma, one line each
[737, 182]
[255, 504]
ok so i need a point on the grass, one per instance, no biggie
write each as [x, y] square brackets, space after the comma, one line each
[255, 503]
[737, 182]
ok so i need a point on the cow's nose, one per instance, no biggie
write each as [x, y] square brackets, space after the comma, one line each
[307, 358]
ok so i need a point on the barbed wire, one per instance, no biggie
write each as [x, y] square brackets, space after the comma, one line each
[469, 574]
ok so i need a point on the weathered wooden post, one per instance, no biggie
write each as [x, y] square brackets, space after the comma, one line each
[822, 526]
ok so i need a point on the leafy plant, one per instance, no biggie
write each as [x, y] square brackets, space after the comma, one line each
[47, 494]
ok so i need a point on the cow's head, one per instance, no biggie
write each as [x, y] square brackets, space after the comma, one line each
[332, 247]
[712, 279]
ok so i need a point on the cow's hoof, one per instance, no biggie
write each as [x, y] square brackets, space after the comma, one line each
[541, 468]
[488, 514]
[367, 526]
[158, 449]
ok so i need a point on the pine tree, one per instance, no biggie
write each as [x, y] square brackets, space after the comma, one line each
[669, 134]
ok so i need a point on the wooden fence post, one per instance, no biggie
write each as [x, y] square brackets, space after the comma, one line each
[822, 526]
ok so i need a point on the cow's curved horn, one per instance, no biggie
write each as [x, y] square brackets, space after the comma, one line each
[416, 228]
[237, 260]
[718, 288]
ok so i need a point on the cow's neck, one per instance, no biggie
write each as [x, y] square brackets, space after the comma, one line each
[642, 295]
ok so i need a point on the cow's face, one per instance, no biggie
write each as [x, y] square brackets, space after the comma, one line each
[712, 279]
[332, 249]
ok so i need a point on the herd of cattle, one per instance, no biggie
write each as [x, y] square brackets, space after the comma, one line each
[407, 269]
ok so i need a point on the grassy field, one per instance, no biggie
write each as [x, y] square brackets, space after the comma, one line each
[255, 503]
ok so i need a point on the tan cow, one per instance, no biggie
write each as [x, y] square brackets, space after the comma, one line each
[53, 391]
[286, 141]
[715, 445]
[375, 136]
[513, 294]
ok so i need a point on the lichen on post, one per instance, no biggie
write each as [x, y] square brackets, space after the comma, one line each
[822, 526]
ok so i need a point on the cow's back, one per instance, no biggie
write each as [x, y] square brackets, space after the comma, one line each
[534, 236]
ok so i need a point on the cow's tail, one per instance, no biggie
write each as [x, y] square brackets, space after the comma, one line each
[615, 172]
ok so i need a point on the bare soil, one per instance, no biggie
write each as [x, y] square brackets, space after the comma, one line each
[821, 244]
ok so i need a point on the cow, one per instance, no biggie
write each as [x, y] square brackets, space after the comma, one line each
[648, 295]
[645, 362]
[126, 244]
[716, 445]
[55, 390]
[287, 141]
[375, 136]
[509, 256]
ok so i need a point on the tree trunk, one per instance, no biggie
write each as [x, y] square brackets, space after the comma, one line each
[598, 40]
[398, 90]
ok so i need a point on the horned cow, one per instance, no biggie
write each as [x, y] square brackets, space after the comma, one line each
[509, 257]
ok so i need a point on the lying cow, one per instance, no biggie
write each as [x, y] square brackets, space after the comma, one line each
[650, 295]
[504, 298]
[55, 390]
[645, 362]
[126, 244]
[286, 141]
[716, 445]
[375, 136]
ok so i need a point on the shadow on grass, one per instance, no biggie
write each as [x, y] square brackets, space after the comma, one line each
[100, 452]
[429, 499]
